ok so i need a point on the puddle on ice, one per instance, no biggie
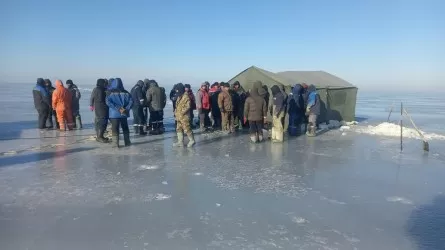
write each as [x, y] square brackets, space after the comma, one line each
[161, 197]
[148, 167]
[399, 199]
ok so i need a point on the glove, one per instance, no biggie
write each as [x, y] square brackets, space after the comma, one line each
[245, 120]
[91, 108]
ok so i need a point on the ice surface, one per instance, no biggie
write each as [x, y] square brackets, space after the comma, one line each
[334, 191]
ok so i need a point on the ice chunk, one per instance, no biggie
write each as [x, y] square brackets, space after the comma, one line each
[393, 130]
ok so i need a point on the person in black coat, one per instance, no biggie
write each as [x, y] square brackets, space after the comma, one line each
[98, 104]
[52, 113]
[42, 102]
[75, 103]
[139, 122]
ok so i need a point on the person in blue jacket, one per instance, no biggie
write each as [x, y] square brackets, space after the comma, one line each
[313, 110]
[296, 110]
[120, 103]
[42, 102]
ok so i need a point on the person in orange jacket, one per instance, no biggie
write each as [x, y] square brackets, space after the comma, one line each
[62, 105]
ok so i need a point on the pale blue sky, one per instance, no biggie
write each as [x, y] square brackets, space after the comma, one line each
[369, 43]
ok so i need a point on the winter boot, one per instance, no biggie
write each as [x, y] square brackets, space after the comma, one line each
[154, 129]
[100, 137]
[253, 138]
[115, 141]
[79, 122]
[141, 131]
[127, 140]
[260, 138]
[180, 142]
[161, 127]
[136, 130]
[191, 140]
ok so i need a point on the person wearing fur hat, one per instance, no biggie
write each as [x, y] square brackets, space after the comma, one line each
[225, 104]
[182, 117]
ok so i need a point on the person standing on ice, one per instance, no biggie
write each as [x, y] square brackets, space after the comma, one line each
[98, 104]
[255, 111]
[139, 99]
[182, 116]
[61, 103]
[296, 110]
[42, 102]
[189, 91]
[225, 105]
[155, 101]
[312, 110]
[240, 99]
[75, 103]
[119, 104]
[203, 105]
[216, 112]
[277, 112]
[52, 113]
[161, 113]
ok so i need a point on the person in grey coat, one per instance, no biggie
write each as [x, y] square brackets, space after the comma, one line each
[156, 101]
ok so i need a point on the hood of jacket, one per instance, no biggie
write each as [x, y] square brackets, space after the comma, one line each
[311, 88]
[100, 83]
[70, 84]
[152, 83]
[116, 84]
[140, 83]
[48, 83]
[257, 85]
[59, 84]
[296, 90]
[275, 90]
[41, 82]
[256, 92]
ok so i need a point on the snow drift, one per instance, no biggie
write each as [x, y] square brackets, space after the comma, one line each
[393, 130]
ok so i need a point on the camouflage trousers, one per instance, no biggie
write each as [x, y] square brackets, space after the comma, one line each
[183, 125]
[227, 121]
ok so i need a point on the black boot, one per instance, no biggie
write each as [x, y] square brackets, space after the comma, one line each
[141, 131]
[79, 122]
[136, 130]
[127, 140]
[100, 136]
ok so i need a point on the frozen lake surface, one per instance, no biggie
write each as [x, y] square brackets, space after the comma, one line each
[346, 189]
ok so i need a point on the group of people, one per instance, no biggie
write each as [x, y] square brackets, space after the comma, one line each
[220, 107]
[58, 102]
[225, 107]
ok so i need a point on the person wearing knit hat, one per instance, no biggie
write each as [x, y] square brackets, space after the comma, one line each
[182, 116]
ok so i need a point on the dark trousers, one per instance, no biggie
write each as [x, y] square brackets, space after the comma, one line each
[100, 124]
[138, 116]
[43, 117]
[295, 122]
[256, 127]
[216, 120]
[156, 118]
[49, 121]
[204, 120]
[116, 123]
[146, 115]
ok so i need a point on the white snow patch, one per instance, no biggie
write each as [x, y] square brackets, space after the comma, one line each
[399, 199]
[218, 205]
[344, 133]
[161, 197]
[165, 183]
[393, 130]
[148, 167]
[299, 220]
[345, 128]
[197, 174]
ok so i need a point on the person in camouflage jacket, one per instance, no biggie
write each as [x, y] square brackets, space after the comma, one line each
[182, 116]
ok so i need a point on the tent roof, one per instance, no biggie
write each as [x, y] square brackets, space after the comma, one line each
[321, 79]
[274, 77]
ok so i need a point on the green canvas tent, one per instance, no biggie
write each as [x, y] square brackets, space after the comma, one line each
[338, 96]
